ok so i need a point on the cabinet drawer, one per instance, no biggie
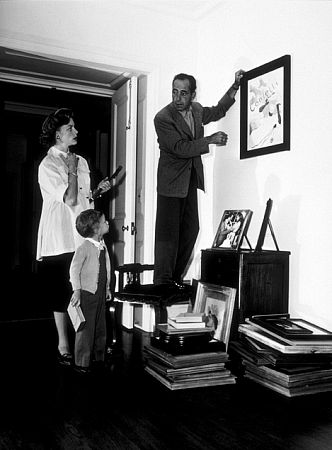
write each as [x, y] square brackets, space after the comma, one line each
[220, 269]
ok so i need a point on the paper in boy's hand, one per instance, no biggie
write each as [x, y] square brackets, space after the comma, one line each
[76, 316]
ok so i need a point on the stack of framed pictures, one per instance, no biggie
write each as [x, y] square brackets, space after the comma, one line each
[288, 355]
[195, 357]
[187, 370]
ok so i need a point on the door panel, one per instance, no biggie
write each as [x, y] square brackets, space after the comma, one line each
[140, 168]
[124, 128]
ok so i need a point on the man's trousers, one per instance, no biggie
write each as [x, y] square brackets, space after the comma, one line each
[177, 227]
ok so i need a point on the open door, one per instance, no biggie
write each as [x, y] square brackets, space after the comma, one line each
[124, 131]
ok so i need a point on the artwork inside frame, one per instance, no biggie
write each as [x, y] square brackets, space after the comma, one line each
[265, 109]
[232, 229]
[217, 303]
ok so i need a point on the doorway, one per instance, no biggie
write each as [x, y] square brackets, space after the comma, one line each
[23, 109]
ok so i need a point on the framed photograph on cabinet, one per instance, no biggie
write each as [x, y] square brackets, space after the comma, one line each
[232, 229]
[217, 303]
[265, 223]
[265, 109]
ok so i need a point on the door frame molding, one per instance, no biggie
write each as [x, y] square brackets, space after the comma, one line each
[99, 59]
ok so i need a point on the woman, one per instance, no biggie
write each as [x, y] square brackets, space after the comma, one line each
[64, 180]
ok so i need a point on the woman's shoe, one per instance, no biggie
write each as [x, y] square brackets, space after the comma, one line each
[65, 359]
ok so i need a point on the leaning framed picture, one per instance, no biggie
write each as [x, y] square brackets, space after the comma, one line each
[265, 223]
[265, 109]
[217, 303]
[232, 229]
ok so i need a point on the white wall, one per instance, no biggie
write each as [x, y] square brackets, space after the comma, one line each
[246, 34]
[238, 34]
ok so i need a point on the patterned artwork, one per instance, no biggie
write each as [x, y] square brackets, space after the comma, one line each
[265, 110]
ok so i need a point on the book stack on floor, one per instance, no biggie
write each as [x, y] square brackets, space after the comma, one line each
[288, 355]
[187, 357]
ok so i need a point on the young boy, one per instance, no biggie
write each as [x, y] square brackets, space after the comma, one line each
[90, 278]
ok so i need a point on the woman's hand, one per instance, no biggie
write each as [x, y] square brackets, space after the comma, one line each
[104, 185]
[71, 161]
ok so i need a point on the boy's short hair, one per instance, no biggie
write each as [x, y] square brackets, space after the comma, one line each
[87, 221]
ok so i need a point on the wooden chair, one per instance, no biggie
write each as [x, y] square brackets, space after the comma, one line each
[150, 299]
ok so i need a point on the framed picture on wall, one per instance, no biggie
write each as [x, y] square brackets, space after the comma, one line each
[265, 109]
[232, 229]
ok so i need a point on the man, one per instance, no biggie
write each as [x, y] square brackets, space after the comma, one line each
[179, 127]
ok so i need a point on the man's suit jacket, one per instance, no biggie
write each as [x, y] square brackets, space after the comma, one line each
[180, 151]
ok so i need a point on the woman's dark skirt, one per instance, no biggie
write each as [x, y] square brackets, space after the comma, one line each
[54, 276]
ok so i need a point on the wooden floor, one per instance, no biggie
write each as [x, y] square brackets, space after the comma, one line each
[44, 406]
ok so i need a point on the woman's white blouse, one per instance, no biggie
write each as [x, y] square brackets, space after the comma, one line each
[57, 231]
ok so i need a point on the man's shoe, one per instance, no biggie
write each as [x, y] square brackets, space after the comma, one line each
[98, 366]
[65, 359]
[182, 286]
[82, 370]
[164, 288]
[173, 287]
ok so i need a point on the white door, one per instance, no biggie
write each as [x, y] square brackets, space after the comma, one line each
[124, 124]
[141, 172]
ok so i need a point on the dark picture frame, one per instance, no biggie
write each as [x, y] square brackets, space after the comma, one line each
[265, 223]
[232, 229]
[265, 109]
[291, 328]
[217, 303]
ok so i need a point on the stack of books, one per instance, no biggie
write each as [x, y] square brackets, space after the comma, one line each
[187, 358]
[187, 320]
[179, 307]
[288, 355]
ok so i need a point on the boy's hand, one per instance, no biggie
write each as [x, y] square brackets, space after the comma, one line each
[108, 295]
[76, 298]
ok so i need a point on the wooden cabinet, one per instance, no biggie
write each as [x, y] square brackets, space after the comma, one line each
[260, 278]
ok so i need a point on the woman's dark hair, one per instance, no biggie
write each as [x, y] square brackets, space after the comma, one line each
[52, 123]
[87, 221]
[190, 78]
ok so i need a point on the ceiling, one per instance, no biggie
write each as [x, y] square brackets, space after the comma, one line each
[38, 70]
[190, 9]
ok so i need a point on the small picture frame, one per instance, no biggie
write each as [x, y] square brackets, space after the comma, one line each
[265, 223]
[265, 109]
[232, 229]
[217, 303]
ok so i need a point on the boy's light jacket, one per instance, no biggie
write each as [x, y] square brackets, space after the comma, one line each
[84, 268]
